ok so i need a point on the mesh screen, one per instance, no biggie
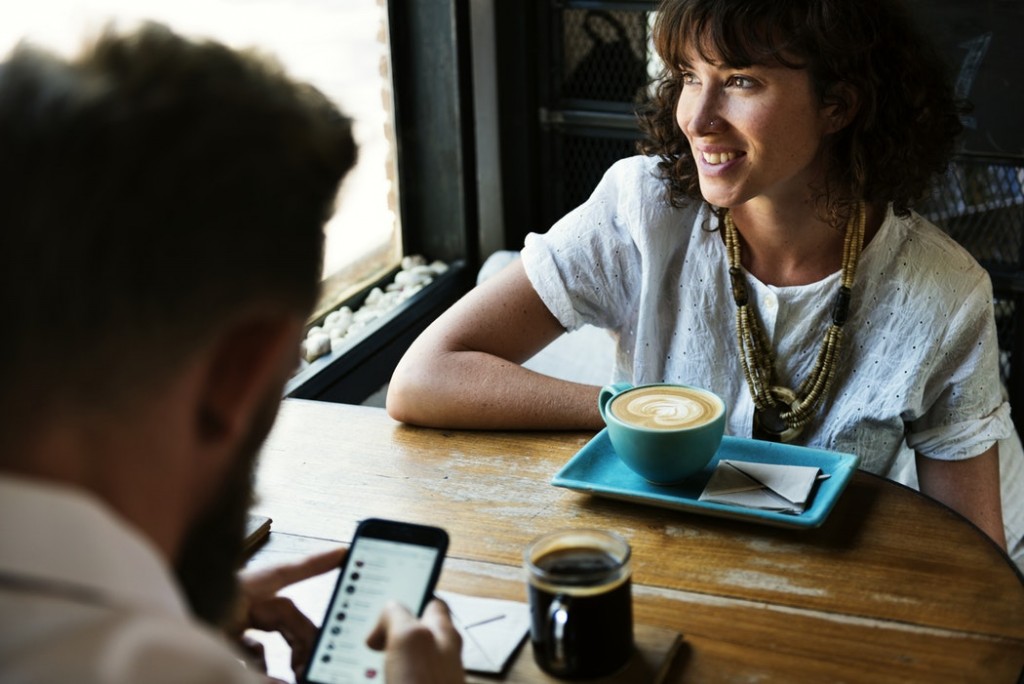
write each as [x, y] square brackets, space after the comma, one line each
[604, 54]
[585, 161]
[1008, 329]
[982, 206]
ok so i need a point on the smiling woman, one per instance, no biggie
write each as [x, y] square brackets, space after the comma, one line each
[763, 248]
[339, 46]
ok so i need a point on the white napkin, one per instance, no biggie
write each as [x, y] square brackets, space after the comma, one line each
[491, 629]
[767, 486]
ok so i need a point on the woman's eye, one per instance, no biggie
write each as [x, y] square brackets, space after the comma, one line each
[688, 78]
[741, 82]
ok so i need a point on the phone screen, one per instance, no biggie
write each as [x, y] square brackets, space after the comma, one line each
[377, 570]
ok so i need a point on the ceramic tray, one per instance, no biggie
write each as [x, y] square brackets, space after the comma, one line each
[597, 470]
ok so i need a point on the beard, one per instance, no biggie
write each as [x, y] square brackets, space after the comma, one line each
[212, 550]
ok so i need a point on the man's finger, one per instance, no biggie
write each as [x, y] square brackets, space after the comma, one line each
[271, 580]
[424, 650]
[254, 651]
[280, 615]
[438, 618]
[391, 620]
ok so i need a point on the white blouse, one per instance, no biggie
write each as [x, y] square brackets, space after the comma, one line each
[919, 364]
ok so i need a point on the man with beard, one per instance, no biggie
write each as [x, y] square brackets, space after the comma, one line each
[161, 212]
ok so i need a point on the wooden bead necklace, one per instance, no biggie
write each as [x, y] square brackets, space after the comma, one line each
[780, 414]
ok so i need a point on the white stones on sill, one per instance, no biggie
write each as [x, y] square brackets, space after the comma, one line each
[343, 323]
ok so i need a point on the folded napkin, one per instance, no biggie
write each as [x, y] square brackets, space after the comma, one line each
[767, 486]
[491, 629]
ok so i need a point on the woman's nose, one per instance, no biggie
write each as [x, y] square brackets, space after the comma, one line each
[699, 115]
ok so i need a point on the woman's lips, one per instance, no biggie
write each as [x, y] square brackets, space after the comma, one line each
[717, 162]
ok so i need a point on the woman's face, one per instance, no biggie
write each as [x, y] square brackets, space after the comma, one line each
[756, 133]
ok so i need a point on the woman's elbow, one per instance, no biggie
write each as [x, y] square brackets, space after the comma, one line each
[414, 395]
[400, 402]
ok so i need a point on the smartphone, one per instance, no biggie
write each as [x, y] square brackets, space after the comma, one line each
[387, 561]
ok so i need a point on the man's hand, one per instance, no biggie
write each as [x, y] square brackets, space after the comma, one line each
[261, 608]
[424, 651]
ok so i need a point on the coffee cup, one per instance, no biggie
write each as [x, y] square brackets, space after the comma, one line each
[581, 611]
[663, 432]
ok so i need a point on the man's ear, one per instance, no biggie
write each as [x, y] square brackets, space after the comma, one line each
[251, 359]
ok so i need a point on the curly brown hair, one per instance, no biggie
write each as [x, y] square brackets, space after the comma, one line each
[862, 54]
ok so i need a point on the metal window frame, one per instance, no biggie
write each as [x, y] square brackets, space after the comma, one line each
[437, 196]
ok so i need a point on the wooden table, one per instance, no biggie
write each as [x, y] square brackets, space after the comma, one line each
[894, 587]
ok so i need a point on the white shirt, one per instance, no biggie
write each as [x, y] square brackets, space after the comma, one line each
[919, 363]
[86, 598]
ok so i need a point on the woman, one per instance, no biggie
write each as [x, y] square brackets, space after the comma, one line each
[762, 248]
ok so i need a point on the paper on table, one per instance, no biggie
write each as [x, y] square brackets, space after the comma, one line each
[766, 486]
[491, 629]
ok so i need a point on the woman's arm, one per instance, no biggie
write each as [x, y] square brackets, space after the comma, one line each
[970, 487]
[464, 370]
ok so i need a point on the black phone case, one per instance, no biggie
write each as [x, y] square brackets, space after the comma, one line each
[390, 530]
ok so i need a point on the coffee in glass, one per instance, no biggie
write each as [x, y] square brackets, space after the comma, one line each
[580, 605]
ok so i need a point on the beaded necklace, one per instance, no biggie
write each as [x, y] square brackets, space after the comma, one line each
[780, 414]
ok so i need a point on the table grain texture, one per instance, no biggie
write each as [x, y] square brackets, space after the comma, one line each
[894, 587]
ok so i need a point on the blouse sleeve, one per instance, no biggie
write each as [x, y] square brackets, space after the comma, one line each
[967, 413]
[580, 268]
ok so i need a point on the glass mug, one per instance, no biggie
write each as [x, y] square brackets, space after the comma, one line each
[581, 611]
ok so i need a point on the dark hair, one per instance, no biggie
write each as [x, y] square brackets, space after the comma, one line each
[150, 190]
[859, 53]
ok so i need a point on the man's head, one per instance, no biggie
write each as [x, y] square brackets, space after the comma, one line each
[162, 204]
[151, 189]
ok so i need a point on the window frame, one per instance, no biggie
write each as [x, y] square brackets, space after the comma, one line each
[437, 194]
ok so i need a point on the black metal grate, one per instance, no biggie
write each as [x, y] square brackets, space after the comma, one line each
[585, 160]
[981, 205]
[595, 71]
[603, 55]
[1008, 330]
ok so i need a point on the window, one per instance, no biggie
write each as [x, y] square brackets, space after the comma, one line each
[416, 133]
[340, 46]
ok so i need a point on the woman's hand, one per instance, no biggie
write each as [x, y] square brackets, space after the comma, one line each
[261, 608]
[424, 651]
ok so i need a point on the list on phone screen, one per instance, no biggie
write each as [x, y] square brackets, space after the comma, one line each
[377, 571]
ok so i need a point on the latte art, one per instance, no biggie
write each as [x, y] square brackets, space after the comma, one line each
[665, 408]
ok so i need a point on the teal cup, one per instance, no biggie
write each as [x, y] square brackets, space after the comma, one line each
[663, 432]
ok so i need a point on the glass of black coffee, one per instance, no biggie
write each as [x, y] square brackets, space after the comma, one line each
[581, 612]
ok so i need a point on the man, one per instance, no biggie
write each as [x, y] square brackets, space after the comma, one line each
[161, 213]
